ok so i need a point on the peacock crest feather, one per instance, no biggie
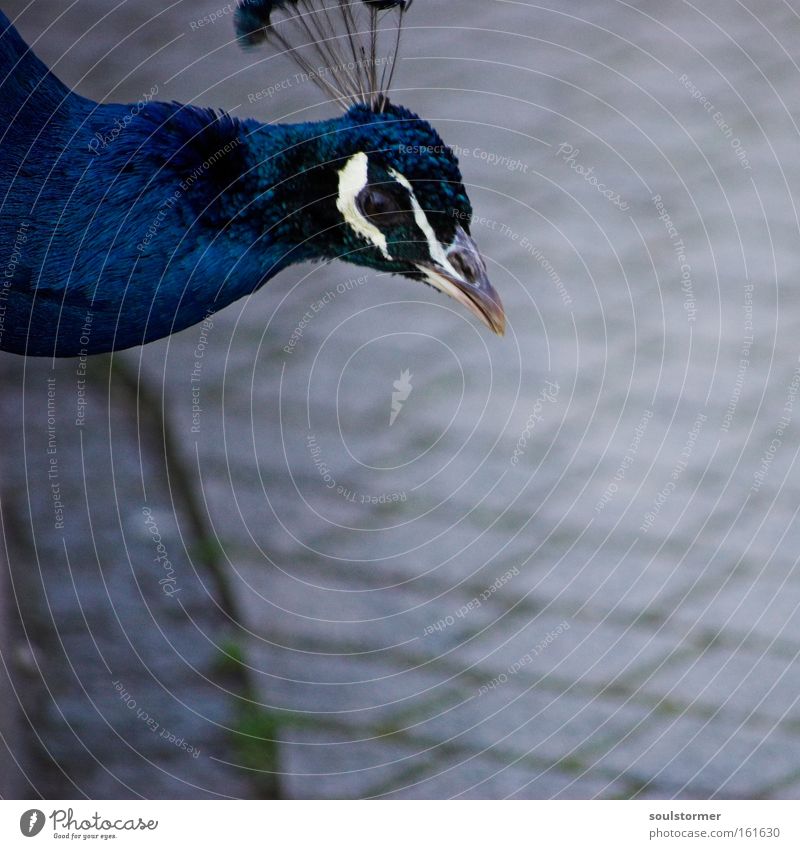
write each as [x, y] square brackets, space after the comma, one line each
[348, 48]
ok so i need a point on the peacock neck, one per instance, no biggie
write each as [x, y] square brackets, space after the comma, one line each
[288, 184]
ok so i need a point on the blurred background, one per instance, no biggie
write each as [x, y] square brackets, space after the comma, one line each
[566, 567]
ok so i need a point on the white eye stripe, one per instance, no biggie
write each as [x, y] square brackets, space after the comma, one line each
[353, 178]
[437, 252]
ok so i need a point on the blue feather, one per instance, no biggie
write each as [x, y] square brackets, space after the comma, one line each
[129, 222]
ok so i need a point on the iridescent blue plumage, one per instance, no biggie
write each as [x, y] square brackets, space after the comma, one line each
[130, 222]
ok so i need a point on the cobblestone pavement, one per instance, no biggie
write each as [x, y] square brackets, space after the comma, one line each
[569, 567]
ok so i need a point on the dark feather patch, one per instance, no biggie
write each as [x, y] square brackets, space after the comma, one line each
[386, 4]
[252, 20]
[346, 47]
[253, 16]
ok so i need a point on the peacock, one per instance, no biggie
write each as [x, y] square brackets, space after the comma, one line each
[124, 223]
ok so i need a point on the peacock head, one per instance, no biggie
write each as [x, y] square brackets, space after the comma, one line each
[398, 204]
[384, 190]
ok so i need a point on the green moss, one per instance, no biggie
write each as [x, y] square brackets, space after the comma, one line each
[255, 737]
[231, 659]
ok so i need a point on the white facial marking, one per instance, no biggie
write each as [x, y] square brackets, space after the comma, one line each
[435, 249]
[352, 179]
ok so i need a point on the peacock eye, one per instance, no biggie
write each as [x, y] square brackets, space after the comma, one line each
[380, 206]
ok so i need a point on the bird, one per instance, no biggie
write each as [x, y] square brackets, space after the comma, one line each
[125, 223]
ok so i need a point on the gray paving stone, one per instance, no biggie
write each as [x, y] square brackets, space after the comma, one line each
[485, 778]
[757, 606]
[790, 790]
[743, 684]
[326, 764]
[707, 760]
[589, 653]
[535, 722]
[629, 584]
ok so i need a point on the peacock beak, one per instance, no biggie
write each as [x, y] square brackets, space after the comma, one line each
[462, 275]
